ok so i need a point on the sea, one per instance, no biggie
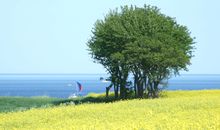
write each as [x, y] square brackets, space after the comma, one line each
[65, 85]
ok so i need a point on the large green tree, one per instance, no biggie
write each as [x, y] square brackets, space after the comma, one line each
[143, 41]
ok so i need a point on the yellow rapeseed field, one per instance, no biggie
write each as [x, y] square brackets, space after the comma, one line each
[179, 110]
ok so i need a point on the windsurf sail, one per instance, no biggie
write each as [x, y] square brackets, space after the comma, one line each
[79, 86]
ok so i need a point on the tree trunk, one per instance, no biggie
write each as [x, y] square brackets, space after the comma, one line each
[140, 87]
[116, 91]
[115, 84]
[123, 87]
[145, 84]
[135, 85]
[107, 89]
[153, 91]
[156, 90]
[150, 90]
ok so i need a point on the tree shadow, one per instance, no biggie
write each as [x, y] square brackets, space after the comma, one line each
[98, 98]
[87, 99]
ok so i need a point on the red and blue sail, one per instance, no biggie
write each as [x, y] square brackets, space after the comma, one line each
[79, 86]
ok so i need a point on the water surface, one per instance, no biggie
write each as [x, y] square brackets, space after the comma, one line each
[63, 86]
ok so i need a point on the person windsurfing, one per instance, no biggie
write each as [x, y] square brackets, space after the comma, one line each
[78, 88]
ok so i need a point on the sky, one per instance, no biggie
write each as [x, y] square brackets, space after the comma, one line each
[50, 36]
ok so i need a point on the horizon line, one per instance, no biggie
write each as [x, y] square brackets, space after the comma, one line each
[86, 74]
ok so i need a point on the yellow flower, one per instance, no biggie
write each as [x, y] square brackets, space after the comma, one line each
[180, 110]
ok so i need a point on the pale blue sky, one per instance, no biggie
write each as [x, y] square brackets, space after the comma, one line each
[49, 36]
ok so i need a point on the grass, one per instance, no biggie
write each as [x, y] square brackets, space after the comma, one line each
[8, 104]
[13, 104]
[175, 110]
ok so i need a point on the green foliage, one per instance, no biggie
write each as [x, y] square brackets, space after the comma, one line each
[143, 41]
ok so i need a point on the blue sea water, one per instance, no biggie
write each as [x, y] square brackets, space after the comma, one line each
[62, 86]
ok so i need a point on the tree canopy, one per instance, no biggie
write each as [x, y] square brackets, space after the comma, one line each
[143, 42]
